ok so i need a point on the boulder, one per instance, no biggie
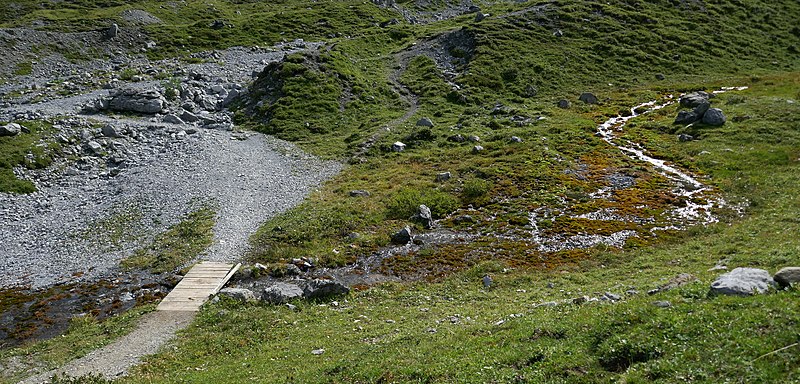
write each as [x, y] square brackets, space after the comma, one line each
[10, 129]
[743, 282]
[172, 119]
[239, 294]
[424, 217]
[425, 122]
[189, 117]
[139, 101]
[692, 100]
[112, 31]
[787, 276]
[714, 117]
[701, 108]
[564, 104]
[110, 131]
[95, 147]
[588, 98]
[403, 236]
[686, 117]
[320, 289]
[281, 293]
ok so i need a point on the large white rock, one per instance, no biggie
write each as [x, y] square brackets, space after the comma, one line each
[743, 282]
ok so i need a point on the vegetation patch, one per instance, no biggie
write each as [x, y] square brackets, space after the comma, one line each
[177, 246]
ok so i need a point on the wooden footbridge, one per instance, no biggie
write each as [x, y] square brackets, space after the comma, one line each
[203, 280]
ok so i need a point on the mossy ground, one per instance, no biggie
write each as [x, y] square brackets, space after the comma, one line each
[25, 150]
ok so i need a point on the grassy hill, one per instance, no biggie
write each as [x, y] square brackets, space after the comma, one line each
[499, 78]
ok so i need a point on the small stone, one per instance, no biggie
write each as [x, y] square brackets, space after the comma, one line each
[281, 293]
[359, 193]
[317, 352]
[424, 217]
[291, 307]
[564, 104]
[398, 147]
[684, 137]
[612, 296]
[474, 139]
[487, 281]
[787, 276]
[112, 31]
[660, 76]
[323, 288]
[662, 304]
[480, 16]
[457, 138]
[477, 149]
[515, 139]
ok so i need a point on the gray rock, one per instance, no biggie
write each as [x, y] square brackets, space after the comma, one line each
[480, 16]
[564, 104]
[714, 117]
[10, 129]
[95, 147]
[588, 98]
[320, 288]
[477, 149]
[240, 294]
[317, 352]
[787, 276]
[701, 108]
[189, 117]
[425, 122]
[133, 100]
[172, 119]
[443, 176]
[112, 31]
[424, 217]
[612, 296]
[686, 117]
[293, 270]
[660, 76]
[694, 99]
[398, 147]
[359, 193]
[487, 281]
[110, 131]
[457, 138]
[403, 236]
[743, 282]
[662, 304]
[515, 139]
[474, 139]
[684, 137]
[281, 293]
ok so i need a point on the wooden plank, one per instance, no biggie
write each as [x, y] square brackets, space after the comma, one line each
[202, 281]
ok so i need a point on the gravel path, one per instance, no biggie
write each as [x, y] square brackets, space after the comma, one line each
[87, 216]
[154, 330]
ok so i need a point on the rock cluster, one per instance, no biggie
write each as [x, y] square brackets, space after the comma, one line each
[285, 292]
[700, 110]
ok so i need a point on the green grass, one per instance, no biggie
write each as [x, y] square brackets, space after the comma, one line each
[181, 243]
[13, 152]
[84, 335]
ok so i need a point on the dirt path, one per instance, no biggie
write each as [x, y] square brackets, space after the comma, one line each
[155, 329]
